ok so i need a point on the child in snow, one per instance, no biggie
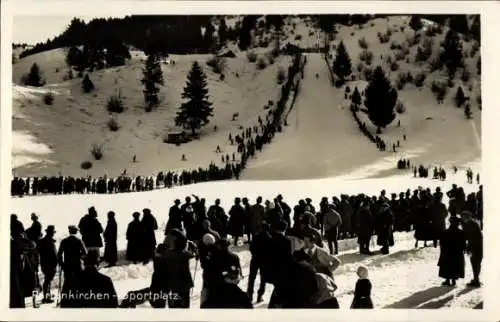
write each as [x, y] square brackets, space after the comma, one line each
[362, 293]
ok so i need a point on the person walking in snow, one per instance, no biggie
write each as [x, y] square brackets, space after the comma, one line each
[451, 258]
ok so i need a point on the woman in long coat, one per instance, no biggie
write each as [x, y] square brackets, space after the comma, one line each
[110, 236]
[423, 228]
[135, 238]
[451, 259]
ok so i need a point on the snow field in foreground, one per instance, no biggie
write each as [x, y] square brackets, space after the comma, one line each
[405, 278]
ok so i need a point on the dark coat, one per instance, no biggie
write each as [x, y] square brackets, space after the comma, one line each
[281, 252]
[298, 286]
[91, 230]
[256, 218]
[227, 296]
[16, 290]
[218, 262]
[149, 225]
[424, 229]
[71, 251]
[90, 281]
[261, 254]
[474, 236]
[439, 214]
[135, 235]
[172, 272]
[364, 224]
[110, 248]
[34, 233]
[237, 220]
[362, 295]
[48, 254]
[174, 218]
[385, 221]
[451, 258]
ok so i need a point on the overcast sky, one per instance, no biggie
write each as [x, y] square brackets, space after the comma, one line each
[34, 29]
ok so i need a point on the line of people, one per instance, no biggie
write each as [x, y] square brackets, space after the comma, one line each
[360, 216]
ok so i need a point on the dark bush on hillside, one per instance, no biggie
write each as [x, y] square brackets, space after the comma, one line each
[367, 73]
[48, 98]
[366, 56]
[298, 37]
[400, 108]
[97, 151]
[419, 79]
[115, 104]
[217, 64]
[394, 66]
[85, 165]
[395, 45]
[360, 67]
[363, 43]
[439, 89]
[113, 125]
[252, 57]
[401, 81]
[261, 63]
[383, 38]
[435, 64]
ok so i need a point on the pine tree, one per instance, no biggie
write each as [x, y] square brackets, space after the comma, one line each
[87, 84]
[195, 112]
[380, 100]
[356, 97]
[342, 65]
[222, 32]
[460, 97]
[34, 78]
[415, 23]
[74, 56]
[451, 55]
[152, 76]
[467, 112]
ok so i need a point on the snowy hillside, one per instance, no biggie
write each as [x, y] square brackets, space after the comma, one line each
[75, 121]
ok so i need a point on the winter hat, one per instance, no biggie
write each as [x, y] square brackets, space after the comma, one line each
[208, 239]
[50, 229]
[362, 272]
[72, 229]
